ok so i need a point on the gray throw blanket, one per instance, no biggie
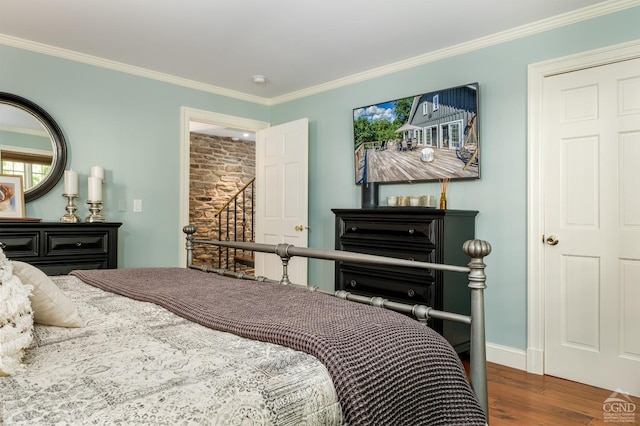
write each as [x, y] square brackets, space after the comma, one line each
[387, 368]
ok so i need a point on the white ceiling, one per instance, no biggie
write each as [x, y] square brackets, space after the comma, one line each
[297, 44]
[300, 46]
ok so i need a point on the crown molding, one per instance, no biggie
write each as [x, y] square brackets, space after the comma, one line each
[590, 12]
[125, 68]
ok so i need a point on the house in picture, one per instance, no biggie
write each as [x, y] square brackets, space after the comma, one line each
[444, 118]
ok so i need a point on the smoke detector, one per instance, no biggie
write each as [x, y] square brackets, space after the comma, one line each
[260, 80]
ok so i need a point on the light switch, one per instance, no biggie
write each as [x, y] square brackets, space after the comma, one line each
[137, 206]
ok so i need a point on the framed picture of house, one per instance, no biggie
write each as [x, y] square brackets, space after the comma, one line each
[421, 138]
[11, 197]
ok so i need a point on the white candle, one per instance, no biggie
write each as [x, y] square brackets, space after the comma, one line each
[70, 182]
[95, 189]
[97, 171]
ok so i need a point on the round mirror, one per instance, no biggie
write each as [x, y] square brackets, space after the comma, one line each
[31, 145]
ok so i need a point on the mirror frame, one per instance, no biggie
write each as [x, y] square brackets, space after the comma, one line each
[57, 139]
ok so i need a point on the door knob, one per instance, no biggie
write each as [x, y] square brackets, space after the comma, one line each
[552, 240]
[301, 228]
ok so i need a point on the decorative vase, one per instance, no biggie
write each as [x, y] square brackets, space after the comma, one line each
[369, 195]
[443, 201]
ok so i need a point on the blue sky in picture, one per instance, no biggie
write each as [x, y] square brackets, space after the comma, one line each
[383, 111]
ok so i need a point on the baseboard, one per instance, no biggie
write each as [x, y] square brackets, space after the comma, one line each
[504, 355]
[535, 361]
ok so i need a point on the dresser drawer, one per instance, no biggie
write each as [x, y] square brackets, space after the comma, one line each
[377, 282]
[389, 228]
[391, 249]
[398, 235]
[20, 244]
[62, 244]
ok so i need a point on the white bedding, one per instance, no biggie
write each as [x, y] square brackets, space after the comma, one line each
[136, 363]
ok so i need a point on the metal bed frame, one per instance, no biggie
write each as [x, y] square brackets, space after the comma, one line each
[477, 250]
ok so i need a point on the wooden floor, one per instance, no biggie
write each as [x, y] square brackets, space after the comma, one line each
[519, 398]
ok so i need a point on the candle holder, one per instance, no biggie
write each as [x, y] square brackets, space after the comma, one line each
[95, 207]
[71, 216]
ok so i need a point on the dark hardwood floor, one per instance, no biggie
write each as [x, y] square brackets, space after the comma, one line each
[519, 398]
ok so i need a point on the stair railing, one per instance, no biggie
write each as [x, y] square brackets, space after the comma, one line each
[236, 222]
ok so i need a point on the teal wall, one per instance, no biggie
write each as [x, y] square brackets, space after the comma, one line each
[501, 193]
[131, 126]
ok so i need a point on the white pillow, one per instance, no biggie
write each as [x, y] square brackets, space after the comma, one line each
[50, 305]
[16, 319]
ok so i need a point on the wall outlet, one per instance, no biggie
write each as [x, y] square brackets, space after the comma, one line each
[137, 206]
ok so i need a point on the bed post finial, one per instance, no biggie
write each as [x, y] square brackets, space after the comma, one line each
[477, 250]
[189, 230]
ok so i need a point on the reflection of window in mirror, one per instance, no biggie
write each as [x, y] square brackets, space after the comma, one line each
[32, 165]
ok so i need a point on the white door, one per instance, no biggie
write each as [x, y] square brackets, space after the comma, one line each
[591, 189]
[282, 216]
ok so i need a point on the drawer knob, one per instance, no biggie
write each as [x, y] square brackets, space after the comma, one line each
[411, 293]
[354, 228]
[78, 243]
[412, 231]
[353, 283]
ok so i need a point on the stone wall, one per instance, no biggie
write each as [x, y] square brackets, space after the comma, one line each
[220, 167]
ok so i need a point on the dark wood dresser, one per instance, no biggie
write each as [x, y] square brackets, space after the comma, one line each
[415, 233]
[58, 248]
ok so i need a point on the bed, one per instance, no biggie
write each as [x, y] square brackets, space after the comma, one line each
[187, 346]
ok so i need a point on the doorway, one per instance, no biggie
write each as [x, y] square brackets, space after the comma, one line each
[189, 115]
[282, 160]
[555, 319]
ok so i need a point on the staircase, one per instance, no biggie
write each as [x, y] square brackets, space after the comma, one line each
[236, 223]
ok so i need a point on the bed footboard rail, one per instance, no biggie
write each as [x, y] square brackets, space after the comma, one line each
[477, 250]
